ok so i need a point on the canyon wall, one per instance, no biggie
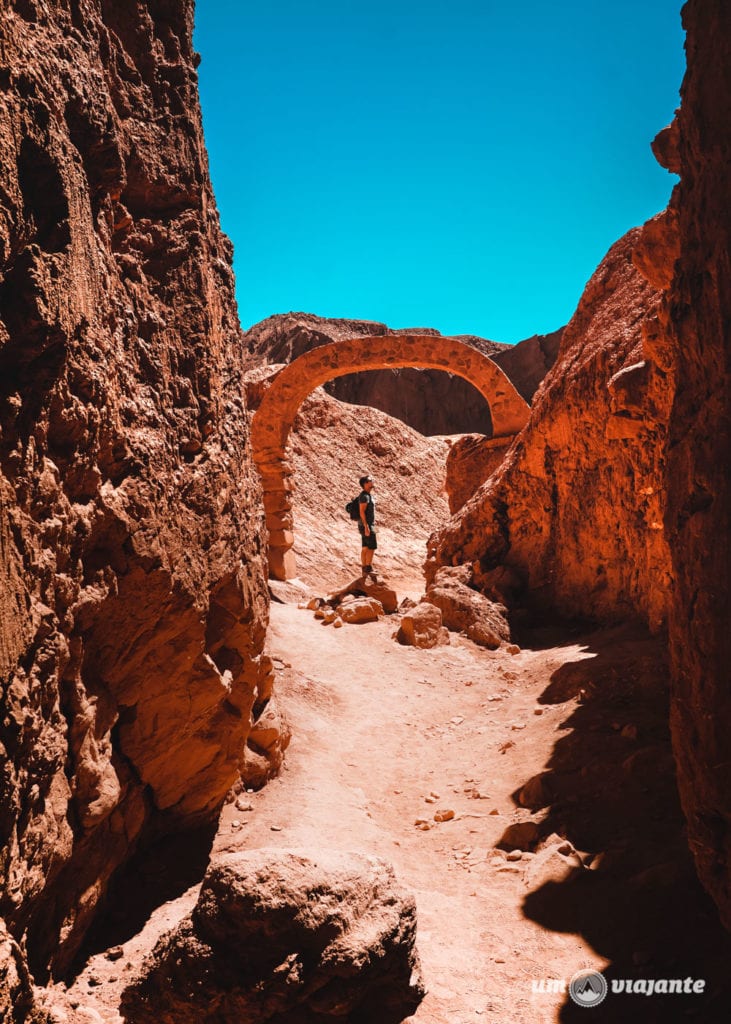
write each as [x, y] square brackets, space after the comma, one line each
[133, 602]
[695, 317]
[430, 401]
[571, 520]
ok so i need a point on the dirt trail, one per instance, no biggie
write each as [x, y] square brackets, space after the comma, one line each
[378, 727]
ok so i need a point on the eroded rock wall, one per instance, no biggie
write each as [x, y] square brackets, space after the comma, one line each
[571, 520]
[133, 594]
[695, 317]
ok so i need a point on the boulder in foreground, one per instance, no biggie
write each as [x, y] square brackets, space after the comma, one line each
[280, 936]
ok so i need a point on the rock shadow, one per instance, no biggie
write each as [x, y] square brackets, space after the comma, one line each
[158, 873]
[609, 788]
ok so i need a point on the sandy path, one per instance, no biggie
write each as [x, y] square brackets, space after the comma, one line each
[377, 727]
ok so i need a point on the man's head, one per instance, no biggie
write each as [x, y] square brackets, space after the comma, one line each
[366, 482]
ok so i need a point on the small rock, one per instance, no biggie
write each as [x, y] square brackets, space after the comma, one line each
[337, 623]
[235, 824]
[494, 811]
[430, 799]
[115, 953]
[537, 711]
[514, 855]
[243, 805]
[457, 720]
[93, 981]
[443, 815]
[629, 732]
[275, 828]
[313, 604]
[319, 614]
[512, 649]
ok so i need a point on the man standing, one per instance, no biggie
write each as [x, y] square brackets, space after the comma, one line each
[366, 526]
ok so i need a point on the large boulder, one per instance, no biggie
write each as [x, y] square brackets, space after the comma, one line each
[360, 609]
[422, 627]
[466, 610]
[279, 936]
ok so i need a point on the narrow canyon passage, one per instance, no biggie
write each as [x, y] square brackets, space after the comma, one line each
[379, 728]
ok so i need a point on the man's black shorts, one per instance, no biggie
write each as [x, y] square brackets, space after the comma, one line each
[369, 541]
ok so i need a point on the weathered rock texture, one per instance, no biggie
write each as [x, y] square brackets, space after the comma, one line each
[274, 418]
[465, 610]
[572, 518]
[695, 343]
[279, 936]
[133, 599]
[431, 401]
[422, 627]
[471, 460]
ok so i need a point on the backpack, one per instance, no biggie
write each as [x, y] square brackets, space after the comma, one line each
[353, 509]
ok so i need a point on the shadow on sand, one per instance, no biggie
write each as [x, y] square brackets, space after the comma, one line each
[609, 787]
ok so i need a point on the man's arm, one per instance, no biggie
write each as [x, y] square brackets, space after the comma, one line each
[363, 505]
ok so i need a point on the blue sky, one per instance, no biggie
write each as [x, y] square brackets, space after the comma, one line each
[461, 165]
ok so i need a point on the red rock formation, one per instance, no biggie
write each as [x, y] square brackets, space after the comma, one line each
[277, 935]
[695, 342]
[133, 599]
[431, 401]
[572, 518]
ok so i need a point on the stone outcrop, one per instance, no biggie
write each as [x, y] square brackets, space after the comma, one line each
[572, 519]
[471, 460]
[422, 627]
[692, 259]
[281, 936]
[431, 401]
[274, 419]
[132, 589]
[465, 610]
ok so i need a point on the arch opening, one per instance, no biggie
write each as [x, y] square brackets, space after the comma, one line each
[272, 422]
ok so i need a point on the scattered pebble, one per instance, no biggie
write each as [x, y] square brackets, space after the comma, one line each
[537, 711]
[243, 805]
[444, 815]
[515, 726]
[457, 720]
[513, 649]
[275, 828]
[115, 953]
[514, 855]
[235, 824]
[430, 799]
[494, 811]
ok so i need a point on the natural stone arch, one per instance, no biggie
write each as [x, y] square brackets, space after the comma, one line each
[273, 420]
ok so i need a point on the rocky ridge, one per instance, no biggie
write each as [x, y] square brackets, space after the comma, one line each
[597, 429]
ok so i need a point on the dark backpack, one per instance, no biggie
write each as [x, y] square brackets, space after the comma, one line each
[353, 509]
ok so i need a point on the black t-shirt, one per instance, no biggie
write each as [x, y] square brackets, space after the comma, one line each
[364, 498]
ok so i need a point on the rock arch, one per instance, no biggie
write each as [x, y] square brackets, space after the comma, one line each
[273, 420]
